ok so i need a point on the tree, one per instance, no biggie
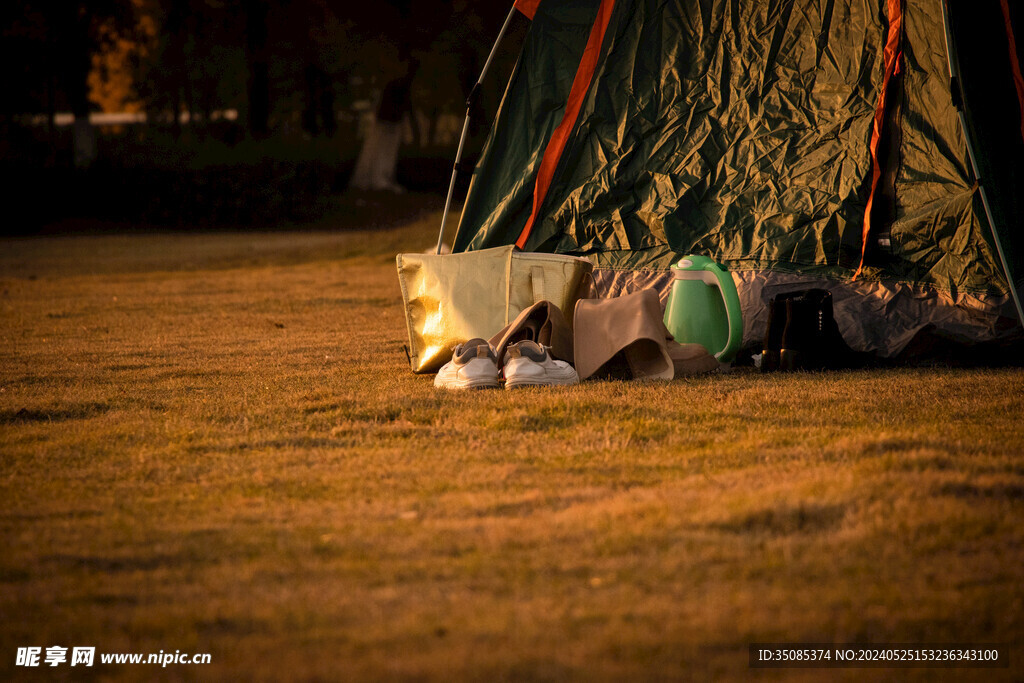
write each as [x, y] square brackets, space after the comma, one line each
[257, 59]
[414, 31]
[63, 37]
[378, 157]
[81, 29]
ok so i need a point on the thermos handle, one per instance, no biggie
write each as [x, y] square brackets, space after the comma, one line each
[732, 303]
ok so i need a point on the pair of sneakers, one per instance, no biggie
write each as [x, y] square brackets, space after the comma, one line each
[474, 365]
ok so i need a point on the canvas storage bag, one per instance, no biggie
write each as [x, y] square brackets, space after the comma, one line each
[451, 298]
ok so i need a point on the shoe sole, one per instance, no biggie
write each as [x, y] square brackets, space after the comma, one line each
[513, 384]
[472, 384]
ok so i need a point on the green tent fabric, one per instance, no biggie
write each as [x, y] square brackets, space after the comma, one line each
[744, 130]
[995, 114]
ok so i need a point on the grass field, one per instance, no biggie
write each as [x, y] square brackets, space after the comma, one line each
[213, 444]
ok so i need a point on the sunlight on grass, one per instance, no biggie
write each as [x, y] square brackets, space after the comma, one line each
[213, 443]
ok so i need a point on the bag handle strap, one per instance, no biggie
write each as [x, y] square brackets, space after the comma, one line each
[539, 284]
[508, 285]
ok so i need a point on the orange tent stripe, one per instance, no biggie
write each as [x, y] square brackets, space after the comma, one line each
[527, 7]
[560, 137]
[1018, 79]
[892, 57]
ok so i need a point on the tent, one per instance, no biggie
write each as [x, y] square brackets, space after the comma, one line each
[872, 147]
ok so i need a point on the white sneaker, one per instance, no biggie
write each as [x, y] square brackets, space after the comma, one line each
[474, 365]
[528, 363]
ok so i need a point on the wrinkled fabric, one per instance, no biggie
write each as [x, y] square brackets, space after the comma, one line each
[881, 318]
[631, 326]
[543, 323]
[734, 129]
[939, 234]
[500, 196]
[994, 113]
[740, 130]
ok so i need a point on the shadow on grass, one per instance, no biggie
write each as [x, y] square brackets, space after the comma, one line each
[784, 520]
[75, 411]
[112, 565]
[965, 491]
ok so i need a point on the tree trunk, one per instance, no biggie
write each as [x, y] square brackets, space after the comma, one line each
[51, 107]
[378, 159]
[432, 125]
[416, 129]
[318, 109]
[258, 57]
[327, 104]
[79, 65]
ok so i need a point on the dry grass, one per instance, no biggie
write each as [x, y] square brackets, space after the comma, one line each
[212, 443]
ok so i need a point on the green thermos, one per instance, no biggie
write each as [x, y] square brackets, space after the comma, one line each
[704, 308]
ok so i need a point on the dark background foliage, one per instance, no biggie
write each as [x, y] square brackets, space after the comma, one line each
[226, 113]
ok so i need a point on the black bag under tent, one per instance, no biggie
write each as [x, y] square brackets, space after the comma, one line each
[874, 149]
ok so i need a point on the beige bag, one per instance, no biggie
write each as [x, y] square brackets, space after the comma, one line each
[451, 298]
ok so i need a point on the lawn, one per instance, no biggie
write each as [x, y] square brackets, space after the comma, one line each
[212, 443]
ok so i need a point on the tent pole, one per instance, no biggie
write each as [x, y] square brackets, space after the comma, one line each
[958, 101]
[474, 95]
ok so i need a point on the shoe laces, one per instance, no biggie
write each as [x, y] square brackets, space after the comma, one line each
[474, 348]
[526, 349]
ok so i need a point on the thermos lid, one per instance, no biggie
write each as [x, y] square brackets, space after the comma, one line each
[693, 262]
